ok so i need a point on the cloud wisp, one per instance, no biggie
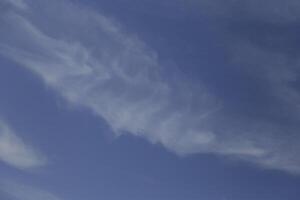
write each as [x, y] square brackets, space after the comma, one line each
[16, 191]
[19, 4]
[14, 152]
[93, 62]
[114, 74]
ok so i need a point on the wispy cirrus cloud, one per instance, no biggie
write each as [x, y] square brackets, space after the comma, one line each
[14, 151]
[16, 191]
[269, 10]
[93, 62]
[114, 74]
[20, 4]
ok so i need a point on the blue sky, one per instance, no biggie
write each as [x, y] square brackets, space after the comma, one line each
[149, 100]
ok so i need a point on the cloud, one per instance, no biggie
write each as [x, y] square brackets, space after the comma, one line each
[262, 43]
[114, 74]
[277, 11]
[14, 152]
[19, 4]
[93, 62]
[17, 191]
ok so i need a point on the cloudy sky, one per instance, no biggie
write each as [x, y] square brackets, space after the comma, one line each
[149, 99]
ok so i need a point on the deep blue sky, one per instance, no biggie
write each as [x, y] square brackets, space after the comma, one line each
[149, 100]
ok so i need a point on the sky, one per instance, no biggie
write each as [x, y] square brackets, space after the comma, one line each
[149, 100]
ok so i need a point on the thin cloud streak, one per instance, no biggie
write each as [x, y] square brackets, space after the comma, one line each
[19, 4]
[14, 152]
[18, 191]
[92, 62]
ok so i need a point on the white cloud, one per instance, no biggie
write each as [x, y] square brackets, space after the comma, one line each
[24, 192]
[14, 152]
[91, 61]
[20, 4]
[116, 76]
[267, 10]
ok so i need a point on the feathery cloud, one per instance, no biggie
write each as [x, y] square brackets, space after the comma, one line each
[24, 192]
[14, 152]
[19, 4]
[93, 62]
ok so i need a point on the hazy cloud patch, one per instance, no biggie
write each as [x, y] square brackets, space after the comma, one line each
[14, 151]
[92, 61]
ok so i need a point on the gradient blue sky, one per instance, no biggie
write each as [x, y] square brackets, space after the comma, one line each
[149, 100]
